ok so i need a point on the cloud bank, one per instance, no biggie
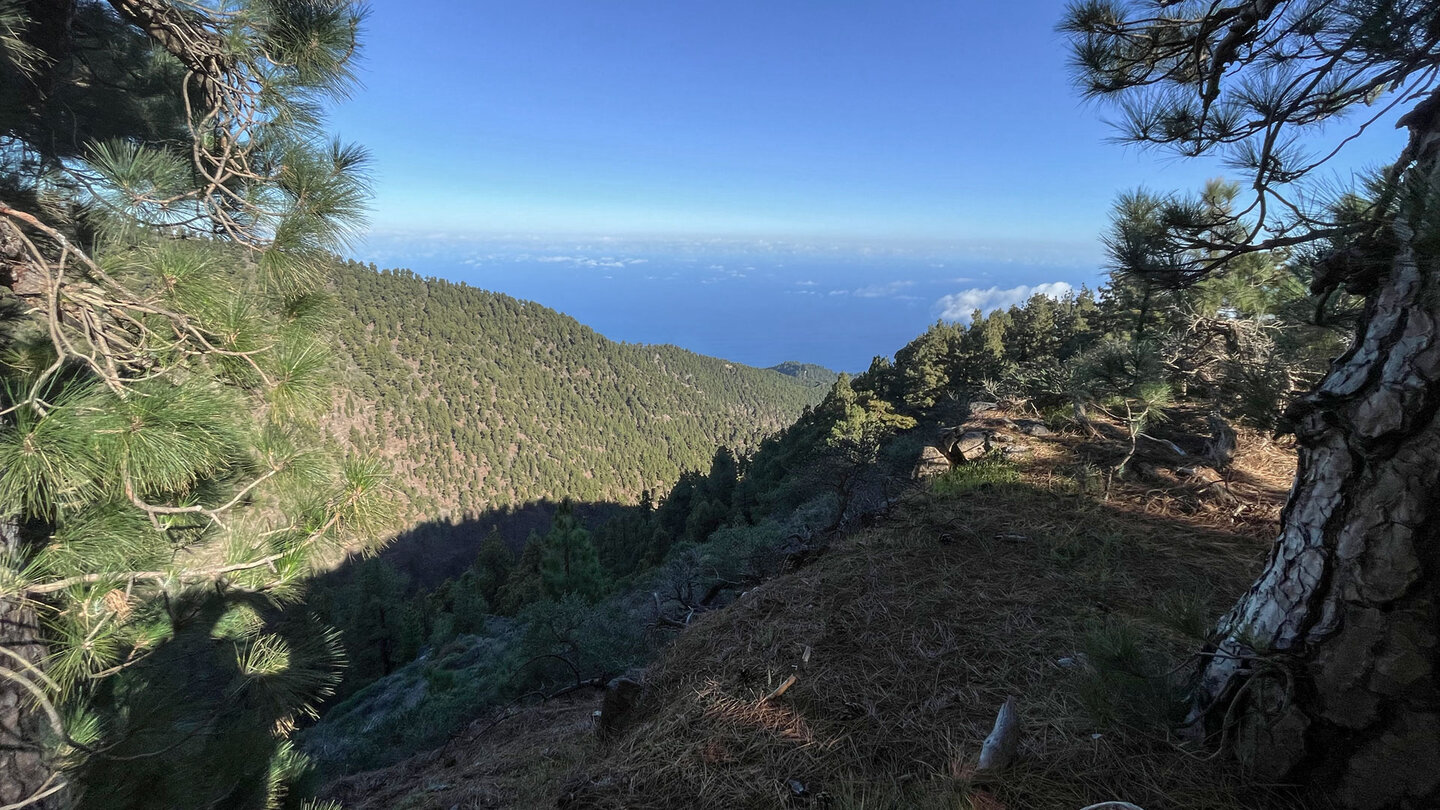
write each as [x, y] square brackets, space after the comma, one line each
[960, 306]
[580, 261]
[882, 290]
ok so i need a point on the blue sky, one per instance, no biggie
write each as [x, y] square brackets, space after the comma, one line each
[839, 124]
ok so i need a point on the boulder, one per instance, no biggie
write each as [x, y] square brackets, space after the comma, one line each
[932, 463]
[1030, 427]
[977, 408]
[967, 445]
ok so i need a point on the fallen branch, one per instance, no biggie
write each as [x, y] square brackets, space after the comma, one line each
[780, 690]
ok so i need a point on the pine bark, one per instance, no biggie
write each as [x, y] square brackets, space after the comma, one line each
[24, 766]
[1328, 670]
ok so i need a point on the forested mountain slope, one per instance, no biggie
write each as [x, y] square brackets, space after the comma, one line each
[481, 400]
[808, 373]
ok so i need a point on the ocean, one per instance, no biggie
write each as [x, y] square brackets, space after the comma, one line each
[756, 302]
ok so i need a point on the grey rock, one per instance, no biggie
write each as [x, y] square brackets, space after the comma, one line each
[1030, 427]
[932, 463]
[970, 445]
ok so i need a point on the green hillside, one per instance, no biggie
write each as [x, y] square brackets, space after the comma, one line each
[808, 373]
[481, 400]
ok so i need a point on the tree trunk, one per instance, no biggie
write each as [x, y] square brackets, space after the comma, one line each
[24, 766]
[1328, 669]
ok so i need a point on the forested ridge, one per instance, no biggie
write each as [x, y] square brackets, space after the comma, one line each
[809, 373]
[480, 400]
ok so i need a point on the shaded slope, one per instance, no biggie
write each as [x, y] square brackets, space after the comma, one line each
[916, 632]
[904, 638]
[482, 400]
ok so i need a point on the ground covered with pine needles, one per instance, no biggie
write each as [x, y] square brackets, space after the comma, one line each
[999, 580]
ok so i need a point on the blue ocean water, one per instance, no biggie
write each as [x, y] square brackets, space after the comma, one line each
[758, 303]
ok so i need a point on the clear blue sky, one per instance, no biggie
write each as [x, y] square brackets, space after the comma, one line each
[904, 118]
[758, 179]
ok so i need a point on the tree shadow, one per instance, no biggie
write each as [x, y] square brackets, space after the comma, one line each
[194, 720]
[433, 551]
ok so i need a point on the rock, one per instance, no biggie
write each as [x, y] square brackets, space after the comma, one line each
[932, 463]
[1030, 427]
[961, 445]
[621, 695]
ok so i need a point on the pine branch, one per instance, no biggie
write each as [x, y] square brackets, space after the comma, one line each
[193, 575]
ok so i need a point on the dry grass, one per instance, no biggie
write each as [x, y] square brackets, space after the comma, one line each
[516, 763]
[905, 639]
[917, 631]
[1245, 499]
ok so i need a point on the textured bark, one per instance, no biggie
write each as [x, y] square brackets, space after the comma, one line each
[24, 768]
[1330, 664]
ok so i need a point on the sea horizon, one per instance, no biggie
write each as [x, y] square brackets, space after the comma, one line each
[755, 301]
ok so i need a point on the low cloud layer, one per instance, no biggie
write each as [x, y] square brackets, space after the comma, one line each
[960, 306]
[582, 261]
[892, 289]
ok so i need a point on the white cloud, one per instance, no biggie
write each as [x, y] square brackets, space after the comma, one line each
[583, 261]
[882, 290]
[806, 283]
[959, 306]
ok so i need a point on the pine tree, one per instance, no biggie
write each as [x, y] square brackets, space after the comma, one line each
[858, 422]
[166, 215]
[920, 367]
[570, 564]
[492, 566]
[1327, 666]
[1125, 380]
[379, 633]
[524, 584]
